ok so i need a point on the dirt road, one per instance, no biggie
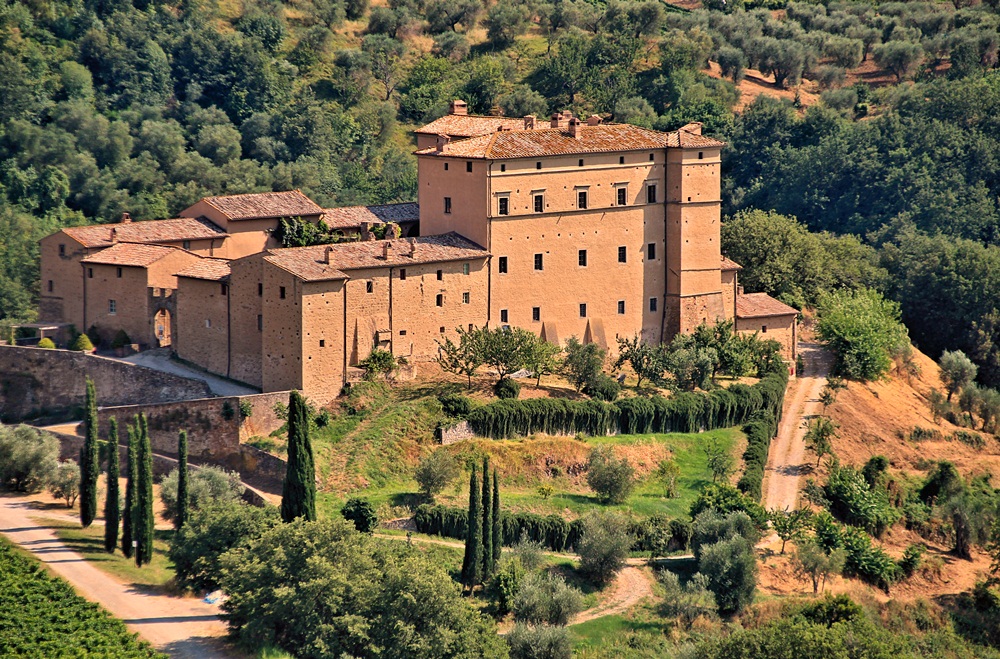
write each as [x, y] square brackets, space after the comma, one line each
[787, 460]
[631, 586]
[181, 627]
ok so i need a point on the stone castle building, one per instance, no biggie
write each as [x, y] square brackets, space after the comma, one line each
[566, 228]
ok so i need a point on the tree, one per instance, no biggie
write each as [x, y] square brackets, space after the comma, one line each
[182, 480]
[539, 642]
[731, 569]
[901, 58]
[790, 525]
[583, 362]
[128, 513]
[112, 504]
[505, 21]
[546, 599]
[379, 362]
[506, 349]
[647, 361]
[298, 495]
[28, 458]
[668, 472]
[612, 478]
[436, 471]
[385, 54]
[90, 461]
[487, 531]
[65, 482]
[603, 546]
[204, 486]
[497, 521]
[473, 560]
[543, 359]
[813, 561]
[361, 513]
[463, 358]
[720, 461]
[143, 522]
[957, 371]
[820, 435]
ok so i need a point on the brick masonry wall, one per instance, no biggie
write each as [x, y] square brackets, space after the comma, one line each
[36, 382]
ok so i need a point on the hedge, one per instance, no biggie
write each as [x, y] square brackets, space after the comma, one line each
[759, 433]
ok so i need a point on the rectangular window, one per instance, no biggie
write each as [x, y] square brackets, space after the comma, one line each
[281, 292]
[468, 166]
[208, 322]
[465, 298]
[539, 203]
[503, 315]
[439, 300]
[580, 164]
[623, 254]
[763, 329]
[583, 310]
[369, 287]
[651, 156]
[652, 304]
[650, 194]
[536, 313]
[621, 306]
[538, 165]
[538, 262]
[186, 244]
[260, 322]
[621, 160]
[402, 332]
[701, 155]
[651, 251]
[465, 268]
[260, 290]
[112, 307]
[502, 265]
[440, 275]
[447, 205]
[225, 289]
[581, 258]
[622, 196]
[50, 286]
[503, 206]
[62, 250]
[441, 330]
[402, 274]
[90, 273]
[581, 199]
[503, 167]
[322, 343]
[446, 167]
[118, 272]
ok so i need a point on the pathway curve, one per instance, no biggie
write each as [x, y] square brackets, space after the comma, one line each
[183, 627]
[632, 585]
[787, 459]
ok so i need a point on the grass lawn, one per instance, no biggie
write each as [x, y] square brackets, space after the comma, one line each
[614, 635]
[89, 542]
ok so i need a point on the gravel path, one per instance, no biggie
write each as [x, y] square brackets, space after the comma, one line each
[159, 360]
[182, 627]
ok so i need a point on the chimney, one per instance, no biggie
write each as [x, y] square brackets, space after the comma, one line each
[126, 218]
[442, 142]
[114, 234]
[574, 128]
[694, 128]
[529, 122]
[385, 250]
[458, 107]
[557, 120]
[739, 289]
[326, 254]
[413, 247]
[593, 120]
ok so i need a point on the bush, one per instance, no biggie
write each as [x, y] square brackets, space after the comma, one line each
[546, 598]
[362, 513]
[507, 389]
[28, 458]
[543, 642]
[854, 502]
[604, 545]
[436, 471]
[863, 330]
[689, 602]
[759, 433]
[583, 362]
[456, 405]
[46, 343]
[612, 478]
[730, 567]
[206, 485]
[379, 362]
[505, 584]
[121, 340]
[65, 482]
[603, 388]
[725, 499]
[832, 609]
[711, 527]
[82, 344]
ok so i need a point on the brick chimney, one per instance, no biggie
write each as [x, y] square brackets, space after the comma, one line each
[442, 142]
[574, 128]
[126, 218]
[593, 120]
[558, 121]
[385, 250]
[326, 254]
[413, 246]
[458, 107]
[694, 128]
[529, 122]
[739, 289]
[114, 235]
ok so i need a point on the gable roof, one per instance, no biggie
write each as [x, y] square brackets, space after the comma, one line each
[132, 254]
[153, 231]
[261, 205]
[208, 269]
[469, 125]
[348, 217]
[602, 138]
[729, 264]
[761, 305]
[309, 263]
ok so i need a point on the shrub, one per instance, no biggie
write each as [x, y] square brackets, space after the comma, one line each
[730, 567]
[121, 340]
[82, 344]
[206, 485]
[436, 471]
[507, 389]
[689, 602]
[46, 343]
[711, 527]
[863, 330]
[65, 482]
[246, 409]
[603, 388]
[583, 362]
[505, 584]
[456, 405]
[612, 478]
[973, 439]
[832, 609]
[28, 458]
[725, 499]
[912, 558]
[542, 642]
[759, 433]
[546, 598]
[604, 545]
[379, 362]
[853, 501]
[361, 513]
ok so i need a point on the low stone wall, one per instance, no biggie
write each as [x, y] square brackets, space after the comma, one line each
[261, 469]
[456, 433]
[37, 383]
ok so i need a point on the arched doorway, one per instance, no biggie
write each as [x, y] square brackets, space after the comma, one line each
[161, 327]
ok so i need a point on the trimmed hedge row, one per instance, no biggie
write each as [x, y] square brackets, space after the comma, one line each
[759, 433]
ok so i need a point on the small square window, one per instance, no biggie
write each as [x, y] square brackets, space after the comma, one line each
[539, 203]
[621, 198]
[651, 251]
[468, 166]
[447, 204]
[652, 304]
[402, 274]
[440, 275]
[536, 313]
[503, 206]
[538, 261]
[260, 290]
[465, 268]
[186, 244]
[583, 310]
[62, 250]
[369, 287]
[621, 306]
[439, 300]
[471, 327]
[623, 254]
[260, 322]
[225, 289]
[465, 298]
[763, 329]
[402, 332]
[118, 273]
[322, 343]
[581, 199]
[112, 307]
[621, 160]
[538, 165]
[441, 330]
[51, 285]
[650, 194]
[580, 163]
[502, 265]
[281, 292]
[503, 315]
[90, 273]
[581, 258]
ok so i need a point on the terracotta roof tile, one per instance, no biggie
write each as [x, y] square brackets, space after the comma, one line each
[309, 263]
[761, 305]
[207, 268]
[558, 141]
[349, 217]
[264, 205]
[130, 254]
[155, 231]
[469, 125]
[729, 264]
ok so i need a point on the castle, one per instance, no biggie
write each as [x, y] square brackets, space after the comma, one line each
[566, 228]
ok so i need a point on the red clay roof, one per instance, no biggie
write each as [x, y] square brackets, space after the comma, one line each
[603, 138]
[761, 305]
[155, 231]
[130, 254]
[349, 217]
[261, 205]
[207, 268]
[729, 264]
[309, 263]
[469, 125]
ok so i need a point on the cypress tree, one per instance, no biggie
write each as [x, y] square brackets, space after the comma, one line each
[487, 521]
[471, 564]
[112, 512]
[128, 514]
[143, 523]
[497, 524]
[90, 461]
[298, 495]
[182, 480]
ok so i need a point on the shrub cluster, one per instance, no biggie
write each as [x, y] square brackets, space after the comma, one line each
[759, 433]
[855, 502]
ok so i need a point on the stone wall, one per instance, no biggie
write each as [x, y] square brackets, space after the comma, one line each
[35, 382]
[456, 433]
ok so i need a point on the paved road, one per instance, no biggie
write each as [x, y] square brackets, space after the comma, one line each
[181, 627]
[160, 360]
